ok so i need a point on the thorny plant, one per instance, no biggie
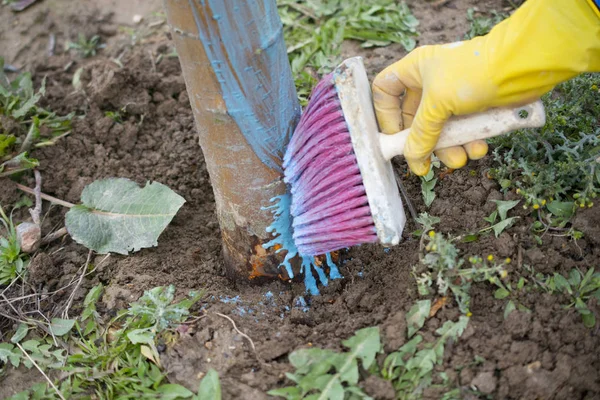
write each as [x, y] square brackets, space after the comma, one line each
[12, 261]
[556, 168]
[442, 271]
[314, 31]
[24, 125]
[108, 359]
[86, 47]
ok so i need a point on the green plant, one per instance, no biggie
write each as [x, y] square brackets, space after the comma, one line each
[411, 367]
[505, 222]
[579, 288]
[113, 359]
[24, 124]
[315, 29]
[428, 183]
[115, 116]
[86, 47]
[12, 261]
[481, 24]
[555, 168]
[441, 270]
[325, 374]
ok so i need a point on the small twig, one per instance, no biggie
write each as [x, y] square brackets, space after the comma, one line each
[51, 237]
[409, 204]
[51, 44]
[41, 371]
[238, 331]
[191, 321]
[37, 211]
[46, 197]
[72, 295]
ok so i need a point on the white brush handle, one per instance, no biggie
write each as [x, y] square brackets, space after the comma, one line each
[464, 129]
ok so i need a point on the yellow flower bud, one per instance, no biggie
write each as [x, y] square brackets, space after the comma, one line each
[536, 206]
[469, 314]
[543, 202]
[490, 257]
[507, 260]
[431, 234]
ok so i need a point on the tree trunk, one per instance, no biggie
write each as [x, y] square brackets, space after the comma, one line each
[242, 93]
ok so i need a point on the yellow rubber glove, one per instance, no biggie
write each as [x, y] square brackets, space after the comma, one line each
[542, 44]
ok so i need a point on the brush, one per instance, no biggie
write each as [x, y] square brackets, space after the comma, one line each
[337, 163]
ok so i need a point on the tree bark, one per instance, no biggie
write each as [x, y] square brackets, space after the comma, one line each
[245, 106]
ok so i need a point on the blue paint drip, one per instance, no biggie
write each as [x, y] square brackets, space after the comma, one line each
[282, 227]
[260, 97]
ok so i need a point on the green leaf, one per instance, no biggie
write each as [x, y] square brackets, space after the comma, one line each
[574, 278]
[118, 216]
[20, 333]
[172, 391]
[398, 358]
[416, 316]
[428, 221]
[502, 225]
[492, 217]
[504, 206]
[60, 327]
[289, 393]
[561, 283]
[89, 303]
[8, 353]
[510, 307]
[365, 344]
[330, 386]
[17, 164]
[589, 320]
[144, 336]
[501, 293]
[470, 238]
[210, 387]
[564, 209]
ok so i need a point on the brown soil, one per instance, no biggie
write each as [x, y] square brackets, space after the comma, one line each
[545, 354]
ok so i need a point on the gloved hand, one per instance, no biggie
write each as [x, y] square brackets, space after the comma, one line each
[542, 44]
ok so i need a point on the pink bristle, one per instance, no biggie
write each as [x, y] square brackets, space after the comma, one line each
[329, 207]
[306, 164]
[361, 217]
[336, 130]
[352, 182]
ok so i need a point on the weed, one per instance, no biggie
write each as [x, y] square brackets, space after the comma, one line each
[314, 32]
[115, 116]
[331, 375]
[481, 25]
[441, 270]
[117, 359]
[12, 261]
[326, 374]
[428, 183]
[86, 47]
[505, 222]
[556, 168]
[24, 124]
[411, 367]
[579, 288]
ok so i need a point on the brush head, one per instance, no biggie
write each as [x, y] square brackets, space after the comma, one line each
[343, 192]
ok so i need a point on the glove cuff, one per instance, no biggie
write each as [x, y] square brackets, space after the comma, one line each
[595, 4]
